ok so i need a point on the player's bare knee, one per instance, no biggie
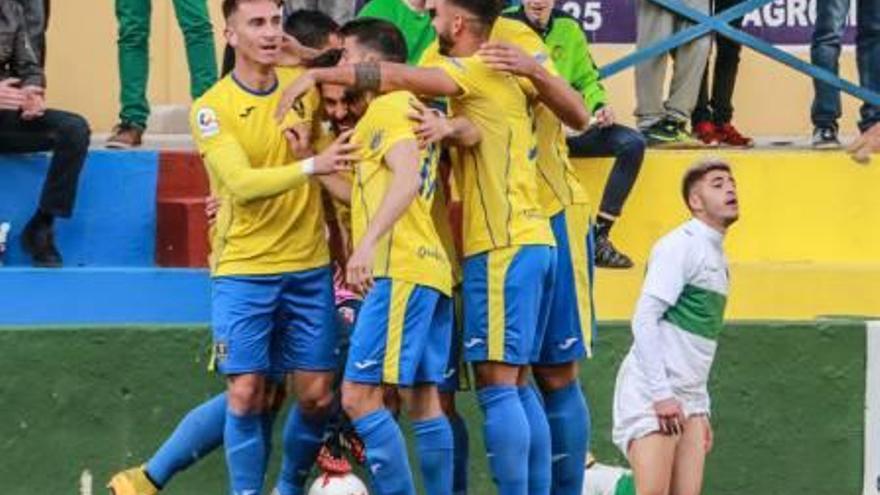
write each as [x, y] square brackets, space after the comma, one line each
[423, 402]
[246, 393]
[447, 403]
[316, 404]
[489, 374]
[551, 378]
[359, 399]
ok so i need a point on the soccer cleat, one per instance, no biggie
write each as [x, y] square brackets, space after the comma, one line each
[825, 138]
[607, 256]
[132, 481]
[125, 136]
[728, 135]
[707, 133]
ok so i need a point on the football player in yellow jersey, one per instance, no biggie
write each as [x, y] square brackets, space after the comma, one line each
[401, 337]
[568, 331]
[507, 238]
[202, 429]
[271, 279]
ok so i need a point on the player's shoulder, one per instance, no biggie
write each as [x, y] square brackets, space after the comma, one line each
[215, 97]
[675, 242]
[287, 75]
[395, 100]
[514, 29]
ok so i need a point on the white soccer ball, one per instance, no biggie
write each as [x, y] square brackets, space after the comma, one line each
[343, 484]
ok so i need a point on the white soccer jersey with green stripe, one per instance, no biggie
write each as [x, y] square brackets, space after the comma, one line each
[688, 270]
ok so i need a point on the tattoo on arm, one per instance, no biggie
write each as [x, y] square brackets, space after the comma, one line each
[367, 76]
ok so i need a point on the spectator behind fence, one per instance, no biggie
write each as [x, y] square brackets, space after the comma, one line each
[27, 126]
[341, 11]
[570, 51]
[133, 17]
[714, 112]
[664, 122]
[831, 18]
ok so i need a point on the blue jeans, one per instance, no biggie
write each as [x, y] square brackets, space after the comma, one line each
[627, 146]
[825, 52]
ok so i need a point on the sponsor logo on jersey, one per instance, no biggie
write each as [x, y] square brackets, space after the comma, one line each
[208, 123]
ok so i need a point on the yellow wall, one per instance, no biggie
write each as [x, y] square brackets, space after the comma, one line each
[82, 70]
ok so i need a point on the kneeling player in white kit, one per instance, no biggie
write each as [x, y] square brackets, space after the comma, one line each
[661, 399]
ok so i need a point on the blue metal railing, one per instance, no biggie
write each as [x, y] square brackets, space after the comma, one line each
[705, 24]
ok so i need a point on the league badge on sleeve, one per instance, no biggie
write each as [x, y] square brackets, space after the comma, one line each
[208, 123]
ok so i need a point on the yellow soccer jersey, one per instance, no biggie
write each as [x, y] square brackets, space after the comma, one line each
[440, 215]
[412, 250]
[498, 176]
[271, 219]
[558, 185]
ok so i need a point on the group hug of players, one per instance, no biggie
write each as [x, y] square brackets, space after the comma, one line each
[332, 163]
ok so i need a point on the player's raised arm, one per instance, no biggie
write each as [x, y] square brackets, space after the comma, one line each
[433, 126]
[382, 77]
[403, 160]
[228, 162]
[552, 90]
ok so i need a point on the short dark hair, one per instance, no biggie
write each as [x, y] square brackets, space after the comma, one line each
[378, 36]
[310, 27]
[696, 173]
[230, 6]
[328, 58]
[486, 11]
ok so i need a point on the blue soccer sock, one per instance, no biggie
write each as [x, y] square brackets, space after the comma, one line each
[386, 453]
[245, 452]
[197, 434]
[460, 454]
[303, 436]
[434, 445]
[506, 434]
[540, 470]
[569, 419]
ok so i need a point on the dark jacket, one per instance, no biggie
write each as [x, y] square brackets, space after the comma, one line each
[17, 57]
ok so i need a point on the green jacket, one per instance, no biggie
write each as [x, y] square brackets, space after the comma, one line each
[570, 52]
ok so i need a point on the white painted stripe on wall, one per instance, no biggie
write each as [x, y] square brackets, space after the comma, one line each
[872, 409]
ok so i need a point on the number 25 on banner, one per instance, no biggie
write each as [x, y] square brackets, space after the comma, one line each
[589, 13]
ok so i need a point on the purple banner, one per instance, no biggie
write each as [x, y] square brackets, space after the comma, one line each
[784, 22]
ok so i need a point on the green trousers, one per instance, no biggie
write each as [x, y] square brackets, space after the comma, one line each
[133, 17]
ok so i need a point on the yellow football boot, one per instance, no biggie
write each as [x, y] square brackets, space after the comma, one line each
[132, 481]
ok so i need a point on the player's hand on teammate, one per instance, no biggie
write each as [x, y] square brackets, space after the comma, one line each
[670, 415]
[11, 96]
[291, 46]
[338, 157]
[212, 207]
[431, 125]
[867, 143]
[507, 57]
[299, 140]
[604, 117]
[292, 93]
[359, 272]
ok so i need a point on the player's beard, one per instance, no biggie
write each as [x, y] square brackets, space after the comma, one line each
[445, 43]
